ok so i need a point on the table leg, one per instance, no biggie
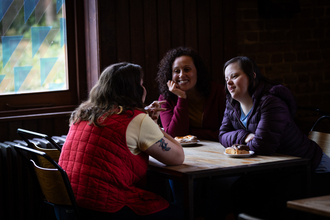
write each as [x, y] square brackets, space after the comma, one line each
[308, 179]
[188, 188]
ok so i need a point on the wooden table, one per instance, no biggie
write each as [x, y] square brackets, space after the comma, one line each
[316, 205]
[207, 159]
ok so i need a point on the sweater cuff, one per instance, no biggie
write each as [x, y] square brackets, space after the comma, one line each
[182, 101]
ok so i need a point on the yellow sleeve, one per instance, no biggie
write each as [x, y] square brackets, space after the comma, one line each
[142, 132]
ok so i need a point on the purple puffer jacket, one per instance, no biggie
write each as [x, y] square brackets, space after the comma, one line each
[271, 120]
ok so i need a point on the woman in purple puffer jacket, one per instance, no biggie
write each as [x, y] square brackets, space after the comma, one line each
[259, 113]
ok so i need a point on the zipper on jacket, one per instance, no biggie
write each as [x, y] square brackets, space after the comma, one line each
[238, 118]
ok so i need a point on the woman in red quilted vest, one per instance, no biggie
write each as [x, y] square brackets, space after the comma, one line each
[108, 145]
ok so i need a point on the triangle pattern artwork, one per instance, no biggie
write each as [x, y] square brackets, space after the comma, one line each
[38, 36]
[59, 4]
[1, 78]
[46, 65]
[29, 6]
[9, 45]
[4, 7]
[20, 73]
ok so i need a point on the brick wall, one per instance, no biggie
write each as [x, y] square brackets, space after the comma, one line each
[293, 49]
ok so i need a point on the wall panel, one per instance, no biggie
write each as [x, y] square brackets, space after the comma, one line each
[122, 30]
[147, 29]
[151, 45]
[164, 27]
[190, 23]
[50, 125]
[217, 39]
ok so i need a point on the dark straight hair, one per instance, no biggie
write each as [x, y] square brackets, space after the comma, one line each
[249, 67]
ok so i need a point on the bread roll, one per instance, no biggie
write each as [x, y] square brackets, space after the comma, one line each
[238, 149]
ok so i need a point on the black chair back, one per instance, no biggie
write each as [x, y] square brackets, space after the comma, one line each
[22, 133]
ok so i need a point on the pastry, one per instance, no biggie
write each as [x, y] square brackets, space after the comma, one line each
[238, 149]
[186, 139]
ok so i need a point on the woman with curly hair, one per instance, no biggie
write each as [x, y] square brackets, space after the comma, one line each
[195, 105]
[107, 149]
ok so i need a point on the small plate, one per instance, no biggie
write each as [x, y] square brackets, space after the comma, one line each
[240, 155]
[189, 144]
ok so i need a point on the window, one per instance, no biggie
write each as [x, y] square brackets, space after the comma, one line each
[38, 59]
[33, 47]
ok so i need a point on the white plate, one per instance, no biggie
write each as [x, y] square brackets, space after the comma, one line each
[189, 144]
[240, 155]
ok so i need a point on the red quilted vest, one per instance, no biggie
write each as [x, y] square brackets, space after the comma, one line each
[104, 174]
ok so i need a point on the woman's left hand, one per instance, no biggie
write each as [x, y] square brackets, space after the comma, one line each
[154, 109]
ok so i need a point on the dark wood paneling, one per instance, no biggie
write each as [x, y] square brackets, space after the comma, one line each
[146, 30]
[61, 126]
[108, 48]
[30, 125]
[137, 32]
[79, 64]
[12, 126]
[217, 42]
[151, 45]
[204, 43]
[4, 131]
[229, 29]
[92, 42]
[122, 29]
[177, 23]
[164, 27]
[51, 125]
[190, 23]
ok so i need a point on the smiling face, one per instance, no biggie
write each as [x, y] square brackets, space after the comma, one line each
[184, 73]
[237, 82]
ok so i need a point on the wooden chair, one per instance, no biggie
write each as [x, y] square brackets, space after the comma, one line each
[321, 181]
[54, 153]
[321, 138]
[54, 182]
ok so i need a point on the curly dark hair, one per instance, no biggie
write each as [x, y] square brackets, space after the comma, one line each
[165, 72]
[119, 86]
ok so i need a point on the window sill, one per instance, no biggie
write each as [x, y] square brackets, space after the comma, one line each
[28, 114]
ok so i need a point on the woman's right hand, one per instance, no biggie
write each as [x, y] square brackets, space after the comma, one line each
[154, 109]
[249, 137]
[175, 89]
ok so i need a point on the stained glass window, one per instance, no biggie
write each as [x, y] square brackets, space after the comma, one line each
[33, 46]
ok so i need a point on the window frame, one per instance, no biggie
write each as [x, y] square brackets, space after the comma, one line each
[38, 104]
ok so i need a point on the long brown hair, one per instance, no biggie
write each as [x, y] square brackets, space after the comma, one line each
[118, 88]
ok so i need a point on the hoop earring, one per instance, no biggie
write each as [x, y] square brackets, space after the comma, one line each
[120, 110]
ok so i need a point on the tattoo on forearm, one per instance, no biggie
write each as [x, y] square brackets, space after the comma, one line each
[163, 145]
